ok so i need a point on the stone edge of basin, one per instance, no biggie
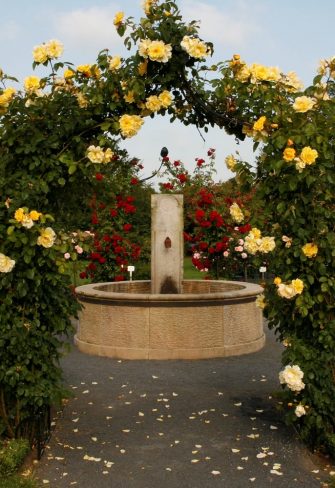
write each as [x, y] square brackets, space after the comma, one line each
[242, 290]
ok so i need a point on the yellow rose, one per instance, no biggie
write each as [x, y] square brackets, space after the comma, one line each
[159, 51]
[230, 162]
[255, 233]
[82, 100]
[153, 103]
[236, 213]
[34, 215]
[310, 250]
[298, 285]
[32, 84]
[243, 73]
[54, 49]
[19, 215]
[259, 124]
[165, 98]
[40, 54]
[130, 124]
[6, 264]
[308, 155]
[108, 156]
[95, 154]
[277, 280]
[194, 47]
[115, 63]
[47, 237]
[6, 96]
[293, 82]
[260, 302]
[118, 18]
[84, 69]
[129, 97]
[263, 73]
[267, 244]
[303, 104]
[68, 74]
[289, 154]
[286, 291]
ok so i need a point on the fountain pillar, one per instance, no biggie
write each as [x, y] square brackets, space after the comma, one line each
[167, 244]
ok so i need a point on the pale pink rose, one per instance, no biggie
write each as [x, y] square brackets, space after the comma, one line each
[240, 242]
[239, 248]
[226, 254]
[78, 249]
[244, 255]
[196, 255]
[67, 255]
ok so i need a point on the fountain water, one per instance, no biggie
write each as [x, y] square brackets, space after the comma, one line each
[168, 317]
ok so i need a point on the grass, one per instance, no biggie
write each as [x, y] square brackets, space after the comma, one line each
[12, 455]
[190, 271]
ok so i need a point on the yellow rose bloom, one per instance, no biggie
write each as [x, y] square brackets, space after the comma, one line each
[308, 155]
[289, 154]
[82, 100]
[95, 154]
[108, 155]
[47, 237]
[34, 215]
[118, 18]
[40, 54]
[267, 244]
[259, 72]
[243, 73]
[259, 124]
[84, 69]
[129, 97]
[54, 49]
[165, 98]
[147, 5]
[310, 250]
[32, 84]
[255, 233]
[19, 214]
[260, 302]
[153, 103]
[230, 162]
[159, 51]
[68, 74]
[303, 104]
[277, 280]
[6, 264]
[115, 63]
[194, 47]
[298, 285]
[130, 124]
[236, 213]
[6, 96]
[293, 82]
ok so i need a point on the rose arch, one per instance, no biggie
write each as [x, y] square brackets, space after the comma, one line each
[59, 129]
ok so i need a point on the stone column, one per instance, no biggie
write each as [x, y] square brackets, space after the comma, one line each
[167, 243]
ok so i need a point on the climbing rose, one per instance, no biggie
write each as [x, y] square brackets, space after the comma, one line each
[32, 84]
[95, 154]
[118, 18]
[153, 103]
[114, 63]
[300, 410]
[310, 250]
[6, 264]
[259, 124]
[308, 155]
[130, 124]
[47, 237]
[155, 50]
[194, 47]
[292, 376]
[236, 213]
[303, 104]
[230, 162]
[289, 154]
[165, 98]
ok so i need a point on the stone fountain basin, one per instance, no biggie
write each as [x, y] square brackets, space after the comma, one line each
[208, 319]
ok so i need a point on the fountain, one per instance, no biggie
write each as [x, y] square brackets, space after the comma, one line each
[169, 317]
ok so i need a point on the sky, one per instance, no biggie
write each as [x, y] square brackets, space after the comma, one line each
[291, 34]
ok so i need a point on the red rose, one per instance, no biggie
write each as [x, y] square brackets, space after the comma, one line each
[83, 275]
[99, 176]
[182, 177]
[119, 278]
[127, 227]
[113, 212]
[134, 181]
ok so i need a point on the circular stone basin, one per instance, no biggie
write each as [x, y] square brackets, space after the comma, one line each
[208, 319]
